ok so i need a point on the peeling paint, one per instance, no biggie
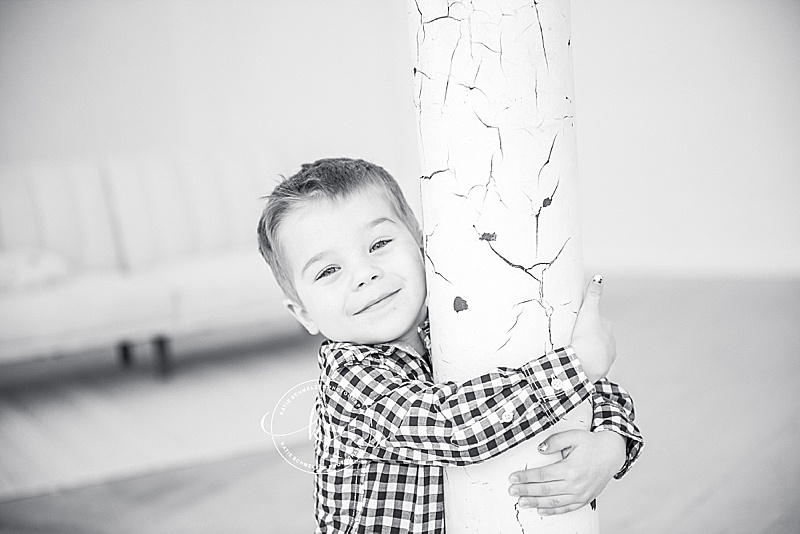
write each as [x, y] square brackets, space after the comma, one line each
[549, 156]
[541, 34]
[497, 143]
[544, 266]
[426, 250]
[546, 202]
[431, 175]
[521, 526]
[497, 129]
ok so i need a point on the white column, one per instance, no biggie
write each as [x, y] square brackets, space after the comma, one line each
[494, 95]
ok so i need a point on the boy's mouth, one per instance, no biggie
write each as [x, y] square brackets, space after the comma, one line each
[376, 301]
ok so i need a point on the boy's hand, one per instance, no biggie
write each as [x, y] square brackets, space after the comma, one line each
[592, 337]
[590, 460]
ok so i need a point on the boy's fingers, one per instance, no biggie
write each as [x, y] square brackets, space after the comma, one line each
[539, 474]
[559, 441]
[551, 503]
[594, 292]
[548, 473]
[539, 490]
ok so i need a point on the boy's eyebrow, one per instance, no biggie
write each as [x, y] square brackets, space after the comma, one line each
[314, 258]
[319, 256]
[378, 221]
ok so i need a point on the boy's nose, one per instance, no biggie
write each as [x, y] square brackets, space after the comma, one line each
[366, 272]
[365, 280]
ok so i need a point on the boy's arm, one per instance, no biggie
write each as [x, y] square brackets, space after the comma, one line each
[376, 412]
[590, 459]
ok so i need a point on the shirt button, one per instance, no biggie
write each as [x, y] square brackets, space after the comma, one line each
[557, 384]
[507, 417]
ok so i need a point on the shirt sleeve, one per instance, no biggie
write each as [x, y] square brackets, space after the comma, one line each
[378, 413]
[613, 410]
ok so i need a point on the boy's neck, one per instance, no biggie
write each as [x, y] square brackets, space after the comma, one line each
[413, 346]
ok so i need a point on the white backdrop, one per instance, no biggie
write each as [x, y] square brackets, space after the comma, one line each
[688, 119]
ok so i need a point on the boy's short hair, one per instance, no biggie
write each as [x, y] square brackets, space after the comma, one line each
[333, 178]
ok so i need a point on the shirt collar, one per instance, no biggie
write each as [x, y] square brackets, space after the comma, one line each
[333, 353]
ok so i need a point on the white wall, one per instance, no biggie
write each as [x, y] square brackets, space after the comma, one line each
[297, 80]
[83, 78]
[689, 134]
[688, 119]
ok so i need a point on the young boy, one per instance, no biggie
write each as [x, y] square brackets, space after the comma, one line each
[345, 248]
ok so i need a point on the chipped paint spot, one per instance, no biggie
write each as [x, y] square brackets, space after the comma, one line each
[460, 304]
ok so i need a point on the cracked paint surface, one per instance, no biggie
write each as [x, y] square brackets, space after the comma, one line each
[494, 97]
[496, 124]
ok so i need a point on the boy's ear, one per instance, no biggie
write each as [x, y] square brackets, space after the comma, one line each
[302, 316]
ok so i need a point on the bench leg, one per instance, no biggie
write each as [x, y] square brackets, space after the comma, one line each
[125, 354]
[163, 355]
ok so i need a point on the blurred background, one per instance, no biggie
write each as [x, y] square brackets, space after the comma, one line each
[143, 338]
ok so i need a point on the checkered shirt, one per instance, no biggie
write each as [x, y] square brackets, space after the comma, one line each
[385, 430]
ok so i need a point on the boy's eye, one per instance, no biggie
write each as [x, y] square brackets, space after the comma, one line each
[326, 272]
[380, 244]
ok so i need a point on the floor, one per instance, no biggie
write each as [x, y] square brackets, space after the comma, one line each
[712, 364]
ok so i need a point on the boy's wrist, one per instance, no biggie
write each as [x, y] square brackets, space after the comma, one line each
[617, 447]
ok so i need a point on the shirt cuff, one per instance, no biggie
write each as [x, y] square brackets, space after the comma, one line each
[558, 382]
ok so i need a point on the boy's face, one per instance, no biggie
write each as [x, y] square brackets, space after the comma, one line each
[357, 269]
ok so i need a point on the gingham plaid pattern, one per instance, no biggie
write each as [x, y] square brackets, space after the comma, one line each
[385, 429]
[613, 410]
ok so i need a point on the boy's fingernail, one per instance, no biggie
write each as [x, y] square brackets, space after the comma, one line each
[543, 447]
[514, 492]
[598, 279]
[514, 479]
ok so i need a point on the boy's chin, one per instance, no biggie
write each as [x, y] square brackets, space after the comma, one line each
[394, 326]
